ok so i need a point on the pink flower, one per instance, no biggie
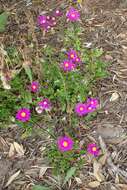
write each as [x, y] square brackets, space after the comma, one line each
[45, 104]
[67, 65]
[92, 104]
[78, 60]
[65, 143]
[72, 54]
[81, 109]
[58, 13]
[51, 21]
[44, 22]
[34, 86]
[73, 14]
[73, 66]
[23, 114]
[92, 149]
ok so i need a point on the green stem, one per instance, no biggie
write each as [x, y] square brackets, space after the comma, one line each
[53, 136]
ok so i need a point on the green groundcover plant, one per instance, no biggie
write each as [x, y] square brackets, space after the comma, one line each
[67, 88]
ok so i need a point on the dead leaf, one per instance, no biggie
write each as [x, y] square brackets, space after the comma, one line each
[108, 57]
[94, 184]
[4, 82]
[111, 133]
[11, 151]
[78, 180]
[124, 186]
[114, 97]
[19, 149]
[103, 159]
[12, 178]
[117, 180]
[97, 167]
[42, 171]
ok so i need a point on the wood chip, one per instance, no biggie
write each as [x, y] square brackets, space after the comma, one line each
[42, 171]
[78, 180]
[94, 184]
[11, 151]
[12, 178]
[97, 167]
[114, 97]
[19, 149]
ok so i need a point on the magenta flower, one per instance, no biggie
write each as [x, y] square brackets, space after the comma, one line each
[57, 13]
[92, 104]
[44, 22]
[78, 60]
[45, 104]
[73, 14]
[92, 149]
[72, 54]
[23, 114]
[65, 143]
[67, 65]
[34, 86]
[51, 21]
[73, 66]
[81, 109]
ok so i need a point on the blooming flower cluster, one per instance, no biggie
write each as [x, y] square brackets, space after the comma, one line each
[47, 22]
[23, 114]
[65, 144]
[72, 61]
[89, 106]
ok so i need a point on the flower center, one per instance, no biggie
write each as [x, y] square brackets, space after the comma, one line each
[53, 18]
[81, 108]
[57, 11]
[89, 108]
[23, 114]
[65, 143]
[77, 59]
[92, 102]
[34, 87]
[45, 102]
[73, 15]
[66, 64]
[43, 21]
[72, 55]
[94, 149]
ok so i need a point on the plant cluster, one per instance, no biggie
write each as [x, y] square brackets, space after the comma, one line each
[68, 80]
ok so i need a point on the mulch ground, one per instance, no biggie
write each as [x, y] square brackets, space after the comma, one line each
[105, 24]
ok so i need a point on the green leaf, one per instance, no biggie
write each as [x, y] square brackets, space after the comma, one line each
[38, 187]
[28, 72]
[3, 21]
[69, 174]
[28, 97]
[97, 52]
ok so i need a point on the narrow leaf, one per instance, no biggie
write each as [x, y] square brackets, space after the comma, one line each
[3, 21]
[69, 174]
[39, 187]
[28, 71]
[12, 178]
